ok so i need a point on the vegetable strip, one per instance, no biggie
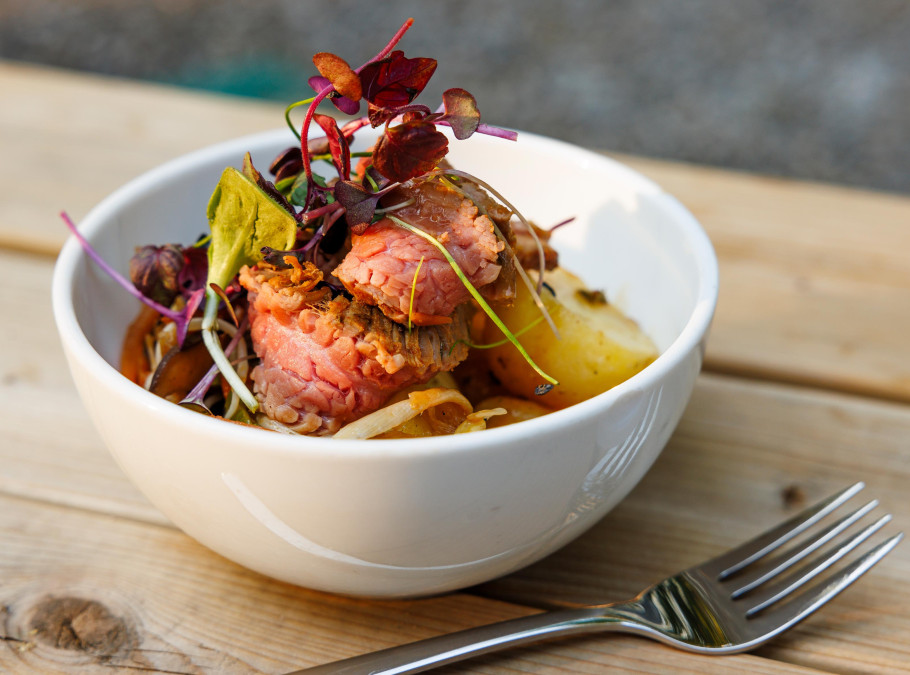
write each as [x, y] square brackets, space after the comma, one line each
[213, 344]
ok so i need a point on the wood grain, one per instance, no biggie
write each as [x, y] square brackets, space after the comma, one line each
[48, 447]
[725, 476]
[70, 139]
[814, 278]
[162, 603]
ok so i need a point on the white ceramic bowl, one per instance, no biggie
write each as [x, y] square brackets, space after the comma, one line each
[391, 517]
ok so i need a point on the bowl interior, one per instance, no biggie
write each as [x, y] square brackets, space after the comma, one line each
[628, 238]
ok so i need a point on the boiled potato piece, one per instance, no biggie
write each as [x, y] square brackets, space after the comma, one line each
[598, 349]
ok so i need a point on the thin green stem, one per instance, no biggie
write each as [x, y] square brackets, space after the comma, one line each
[475, 294]
[504, 341]
[287, 114]
[327, 157]
[213, 344]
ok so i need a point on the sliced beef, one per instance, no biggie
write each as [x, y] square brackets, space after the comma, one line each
[380, 268]
[326, 361]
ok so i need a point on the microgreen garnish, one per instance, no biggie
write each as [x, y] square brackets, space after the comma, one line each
[413, 289]
[475, 294]
[542, 389]
[338, 147]
[297, 104]
[498, 343]
[389, 83]
[180, 317]
[359, 203]
[155, 272]
[409, 150]
[339, 74]
[461, 112]
[345, 105]
[562, 223]
[298, 189]
[395, 80]
[266, 186]
[227, 302]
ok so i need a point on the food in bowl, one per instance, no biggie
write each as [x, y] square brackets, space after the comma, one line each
[423, 515]
[390, 300]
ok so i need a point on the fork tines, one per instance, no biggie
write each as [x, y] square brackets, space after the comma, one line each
[757, 572]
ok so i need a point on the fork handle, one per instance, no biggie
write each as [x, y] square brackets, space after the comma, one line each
[423, 655]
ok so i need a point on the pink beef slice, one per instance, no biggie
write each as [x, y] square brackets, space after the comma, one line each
[327, 361]
[381, 266]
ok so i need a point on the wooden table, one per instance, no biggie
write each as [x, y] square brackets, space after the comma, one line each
[805, 390]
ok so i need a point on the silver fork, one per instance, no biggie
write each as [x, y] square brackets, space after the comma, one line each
[725, 605]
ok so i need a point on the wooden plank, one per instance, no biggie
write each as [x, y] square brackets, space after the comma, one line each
[70, 139]
[103, 594]
[814, 278]
[725, 476]
[48, 447]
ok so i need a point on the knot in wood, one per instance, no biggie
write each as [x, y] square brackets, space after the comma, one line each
[78, 624]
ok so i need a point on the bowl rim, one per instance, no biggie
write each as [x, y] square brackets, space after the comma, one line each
[79, 347]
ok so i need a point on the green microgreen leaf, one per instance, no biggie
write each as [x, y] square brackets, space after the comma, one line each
[298, 190]
[475, 294]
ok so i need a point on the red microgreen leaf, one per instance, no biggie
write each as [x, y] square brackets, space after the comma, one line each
[378, 116]
[341, 76]
[343, 103]
[359, 204]
[395, 80]
[287, 163]
[408, 150]
[338, 145]
[192, 304]
[461, 112]
[195, 269]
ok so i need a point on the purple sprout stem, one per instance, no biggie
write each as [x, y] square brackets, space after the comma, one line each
[114, 274]
[328, 90]
[180, 319]
[562, 223]
[321, 211]
[488, 130]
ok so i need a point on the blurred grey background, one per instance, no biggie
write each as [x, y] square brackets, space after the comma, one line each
[816, 89]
